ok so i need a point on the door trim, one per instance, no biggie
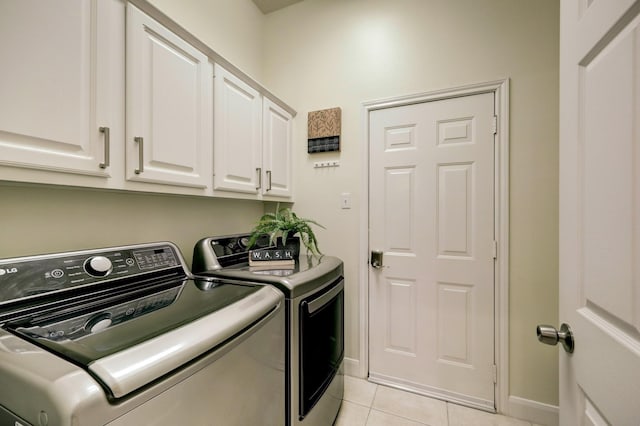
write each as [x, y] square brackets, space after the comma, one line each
[500, 88]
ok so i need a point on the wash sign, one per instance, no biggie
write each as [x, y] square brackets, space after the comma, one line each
[271, 254]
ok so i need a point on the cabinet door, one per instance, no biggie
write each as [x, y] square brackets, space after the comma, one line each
[237, 124]
[277, 150]
[61, 80]
[169, 101]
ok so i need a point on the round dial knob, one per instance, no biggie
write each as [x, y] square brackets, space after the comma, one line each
[98, 322]
[98, 266]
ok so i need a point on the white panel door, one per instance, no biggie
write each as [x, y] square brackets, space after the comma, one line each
[600, 211]
[58, 84]
[431, 213]
[238, 135]
[169, 106]
[276, 157]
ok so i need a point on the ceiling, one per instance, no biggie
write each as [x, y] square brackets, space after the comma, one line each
[268, 6]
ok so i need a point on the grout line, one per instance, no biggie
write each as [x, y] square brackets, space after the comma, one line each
[371, 404]
[357, 403]
[400, 416]
[403, 416]
[375, 392]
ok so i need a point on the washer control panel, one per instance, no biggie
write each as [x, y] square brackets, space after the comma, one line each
[27, 277]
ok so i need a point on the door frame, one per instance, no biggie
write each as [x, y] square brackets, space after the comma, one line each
[500, 89]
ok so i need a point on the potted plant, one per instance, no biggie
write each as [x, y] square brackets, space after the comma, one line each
[284, 225]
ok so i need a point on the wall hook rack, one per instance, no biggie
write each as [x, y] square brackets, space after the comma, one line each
[322, 164]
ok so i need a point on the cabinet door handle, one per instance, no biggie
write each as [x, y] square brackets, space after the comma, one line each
[269, 180]
[259, 171]
[140, 154]
[107, 153]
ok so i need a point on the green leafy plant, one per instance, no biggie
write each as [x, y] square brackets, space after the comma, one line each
[285, 223]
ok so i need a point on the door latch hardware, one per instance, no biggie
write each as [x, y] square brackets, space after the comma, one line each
[548, 335]
[376, 259]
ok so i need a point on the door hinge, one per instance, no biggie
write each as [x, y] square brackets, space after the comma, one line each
[495, 373]
[494, 126]
[495, 249]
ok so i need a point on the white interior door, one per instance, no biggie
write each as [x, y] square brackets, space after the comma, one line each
[600, 211]
[431, 209]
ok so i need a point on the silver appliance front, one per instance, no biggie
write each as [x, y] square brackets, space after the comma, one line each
[313, 284]
[182, 355]
[317, 350]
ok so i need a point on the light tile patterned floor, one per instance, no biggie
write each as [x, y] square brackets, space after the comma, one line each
[368, 404]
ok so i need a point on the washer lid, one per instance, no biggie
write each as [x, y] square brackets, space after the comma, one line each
[188, 320]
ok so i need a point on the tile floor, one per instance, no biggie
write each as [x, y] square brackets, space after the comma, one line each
[368, 404]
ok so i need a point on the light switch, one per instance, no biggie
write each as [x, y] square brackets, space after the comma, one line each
[345, 200]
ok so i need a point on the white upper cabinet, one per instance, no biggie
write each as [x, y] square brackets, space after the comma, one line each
[99, 93]
[61, 81]
[169, 106]
[237, 129]
[252, 140]
[276, 154]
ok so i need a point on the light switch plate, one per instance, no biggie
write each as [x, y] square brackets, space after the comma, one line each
[345, 200]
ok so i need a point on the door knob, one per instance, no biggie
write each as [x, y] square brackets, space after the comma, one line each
[548, 335]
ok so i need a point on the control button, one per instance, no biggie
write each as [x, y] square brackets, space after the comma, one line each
[98, 266]
[98, 322]
[57, 273]
[129, 261]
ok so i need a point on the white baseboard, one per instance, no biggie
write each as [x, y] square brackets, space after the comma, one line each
[352, 367]
[533, 411]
